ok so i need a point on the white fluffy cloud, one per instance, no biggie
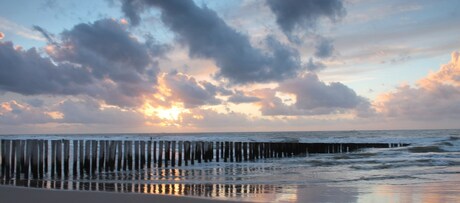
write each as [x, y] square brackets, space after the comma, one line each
[435, 97]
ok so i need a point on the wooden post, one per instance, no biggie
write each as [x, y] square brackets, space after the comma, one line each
[88, 157]
[245, 151]
[231, 151]
[119, 156]
[192, 153]
[102, 156]
[154, 152]
[180, 154]
[93, 157]
[149, 155]
[167, 152]
[173, 154]
[82, 157]
[227, 151]
[217, 151]
[35, 159]
[112, 150]
[160, 153]
[186, 152]
[17, 147]
[59, 158]
[6, 161]
[66, 157]
[75, 158]
[142, 149]
[136, 155]
[129, 155]
[198, 151]
[125, 155]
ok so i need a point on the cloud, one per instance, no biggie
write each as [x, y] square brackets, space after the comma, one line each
[49, 37]
[69, 111]
[209, 37]
[190, 92]
[314, 66]
[435, 97]
[15, 113]
[295, 15]
[28, 73]
[239, 97]
[323, 47]
[100, 59]
[310, 96]
[7, 25]
[89, 111]
[211, 120]
[2, 35]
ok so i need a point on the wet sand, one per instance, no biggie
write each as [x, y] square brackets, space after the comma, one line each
[429, 192]
[9, 194]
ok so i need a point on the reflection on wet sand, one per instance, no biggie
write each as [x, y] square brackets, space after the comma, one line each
[425, 193]
[178, 189]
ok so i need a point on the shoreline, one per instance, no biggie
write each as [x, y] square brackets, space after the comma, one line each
[14, 194]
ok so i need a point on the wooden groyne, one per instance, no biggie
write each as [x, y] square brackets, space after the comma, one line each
[36, 158]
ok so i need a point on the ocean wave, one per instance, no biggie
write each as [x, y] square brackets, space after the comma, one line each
[426, 149]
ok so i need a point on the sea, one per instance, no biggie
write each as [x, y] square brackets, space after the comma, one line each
[426, 170]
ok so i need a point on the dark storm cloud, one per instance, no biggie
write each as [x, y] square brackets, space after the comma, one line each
[304, 14]
[239, 97]
[313, 66]
[99, 59]
[132, 8]
[107, 49]
[187, 90]
[208, 36]
[313, 93]
[324, 47]
[49, 37]
[26, 72]
[313, 97]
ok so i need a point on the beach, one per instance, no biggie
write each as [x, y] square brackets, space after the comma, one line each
[429, 192]
[9, 194]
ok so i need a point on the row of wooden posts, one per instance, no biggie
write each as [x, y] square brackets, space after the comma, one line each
[32, 158]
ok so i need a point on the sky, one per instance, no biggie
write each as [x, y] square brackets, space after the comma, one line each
[154, 66]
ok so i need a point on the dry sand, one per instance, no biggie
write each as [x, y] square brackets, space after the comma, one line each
[10, 194]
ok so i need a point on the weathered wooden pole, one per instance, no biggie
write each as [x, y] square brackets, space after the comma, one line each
[119, 155]
[245, 151]
[17, 147]
[167, 152]
[142, 158]
[149, 155]
[173, 154]
[136, 154]
[94, 157]
[7, 159]
[217, 151]
[102, 156]
[179, 160]
[112, 153]
[227, 151]
[186, 152]
[66, 157]
[81, 145]
[75, 158]
[154, 152]
[129, 154]
[59, 158]
[192, 153]
[35, 155]
[160, 153]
